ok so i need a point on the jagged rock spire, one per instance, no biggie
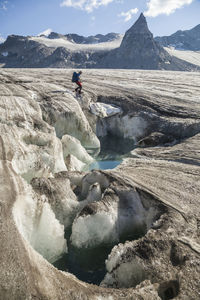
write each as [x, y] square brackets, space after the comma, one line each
[139, 28]
[138, 50]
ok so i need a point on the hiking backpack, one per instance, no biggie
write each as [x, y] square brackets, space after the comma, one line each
[74, 77]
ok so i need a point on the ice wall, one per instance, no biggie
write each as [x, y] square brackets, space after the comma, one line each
[94, 230]
[121, 213]
[118, 215]
[104, 110]
[73, 163]
[133, 127]
[66, 208]
[73, 146]
[126, 274]
[75, 155]
[37, 224]
[73, 122]
[37, 154]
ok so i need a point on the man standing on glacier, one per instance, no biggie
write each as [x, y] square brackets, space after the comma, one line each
[76, 79]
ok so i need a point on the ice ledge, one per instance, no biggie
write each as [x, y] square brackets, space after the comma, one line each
[104, 110]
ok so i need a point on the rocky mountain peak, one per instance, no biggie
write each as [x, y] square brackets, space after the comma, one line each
[140, 26]
[55, 35]
[139, 50]
[136, 32]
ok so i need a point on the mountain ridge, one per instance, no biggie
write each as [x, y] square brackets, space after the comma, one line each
[79, 39]
[182, 39]
[137, 50]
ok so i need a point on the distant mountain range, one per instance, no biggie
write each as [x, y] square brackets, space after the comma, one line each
[184, 40]
[137, 49]
[78, 39]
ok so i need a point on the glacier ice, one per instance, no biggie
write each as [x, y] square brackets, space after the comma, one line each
[94, 230]
[94, 193]
[38, 154]
[106, 222]
[91, 178]
[65, 210]
[104, 110]
[131, 127]
[120, 214]
[72, 121]
[37, 224]
[73, 163]
[72, 146]
[62, 199]
[127, 274]
[5, 53]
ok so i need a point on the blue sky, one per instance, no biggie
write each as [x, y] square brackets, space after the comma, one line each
[88, 17]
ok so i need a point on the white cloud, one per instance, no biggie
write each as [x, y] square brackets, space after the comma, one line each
[46, 32]
[128, 15]
[3, 5]
[87, 5]
[166, 7]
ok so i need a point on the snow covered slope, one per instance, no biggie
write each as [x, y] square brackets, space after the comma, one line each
[192, 57]
[77, 47]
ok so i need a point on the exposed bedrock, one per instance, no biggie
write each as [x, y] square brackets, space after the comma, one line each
[147, 208]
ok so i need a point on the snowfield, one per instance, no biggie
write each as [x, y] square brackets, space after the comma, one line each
[192, 57]
[77, 47]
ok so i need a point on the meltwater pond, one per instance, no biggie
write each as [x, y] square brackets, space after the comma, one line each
[104, 164]
[113, 149]
[87, 264]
